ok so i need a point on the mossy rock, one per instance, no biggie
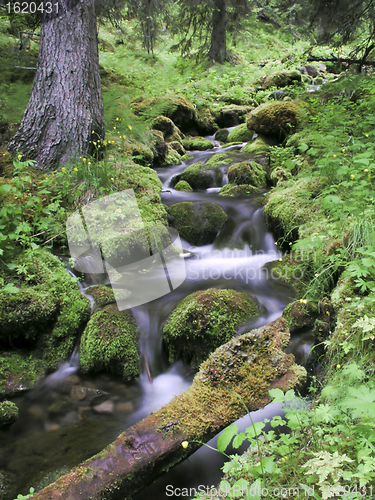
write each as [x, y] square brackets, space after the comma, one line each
[175, 107]
[275, 119]
[102, 295]
[197, 222]
[167, 127]
[200, 176]
[300, 314]
[20, 371]
[281, 79]
[157, 145]
[172, 157]
[141, 153]
[203, 321]
[177, 146]
[279, 174]
[222, 135]
[8, 412]
[8, 483]
[197, 144]
[110, 343]
[183, 186]
[240, 134]
[48, 310]
[247, 173]
[219, 160]
[238, 190]
[186, 157]
[205, 123]
[118, 246]
[231, 115]
[258, 147]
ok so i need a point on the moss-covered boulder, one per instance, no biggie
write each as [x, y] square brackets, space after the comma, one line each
[200, 176]
[177, 108]
[19, 371]
[259, 147]
[300, 314]
[197, 222]
[281, 79]
[219, 160]
[48, 310]
[110, 343]
[247, 173]
[205, 123]
[238, 190]
[197, 144]
[203, 321]
[240, 134]
[275, 119]
[167, 127]
[177, 146]
[183, 186]
[172, 157]
[222, 135]
[102, 295]
[8, 413]
[231, 115]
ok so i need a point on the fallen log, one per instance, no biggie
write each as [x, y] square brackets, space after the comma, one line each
[249, 365]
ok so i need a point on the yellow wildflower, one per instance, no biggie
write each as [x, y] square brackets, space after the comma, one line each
[92, 132]
[366, 170]
[114, 128]
[366, 135]
[117, 119]
[112, 179]
[352, 176]
[124, 136]
[185, 444]
[46, 178]
[334, 156]
[129, 127]
[83, 159]
[338, 367]
[19, 157]
[63, 169]
[89, 163]
[104, 143]
[75, 169]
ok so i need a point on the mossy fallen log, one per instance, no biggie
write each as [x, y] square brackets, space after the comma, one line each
[249, 365]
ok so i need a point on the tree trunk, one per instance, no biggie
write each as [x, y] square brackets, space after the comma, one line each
[218, 49]
[65, 110]
[247, 366]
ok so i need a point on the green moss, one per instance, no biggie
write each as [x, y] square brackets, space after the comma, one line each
[219, 159]
[275, 119]
[240, 134]
[247, 173]
[172, 157]
[8, 412]
[287, 271]
[258, 147]
[177, 108]
[200, 176]
[20, 371]
[300, 314]
[222, 135]
[50, 321]
[110, 343]
[183, 186]
[279, 175]
[197, 222]
[197, 144]
[102, 295]
[281, 79]
[186, 157]
[203, 321]
[238, 190]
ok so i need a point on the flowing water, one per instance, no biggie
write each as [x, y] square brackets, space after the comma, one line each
[69, 416]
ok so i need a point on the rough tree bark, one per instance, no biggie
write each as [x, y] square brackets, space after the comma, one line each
[248, 366]
[65, 110]
[218, 48]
